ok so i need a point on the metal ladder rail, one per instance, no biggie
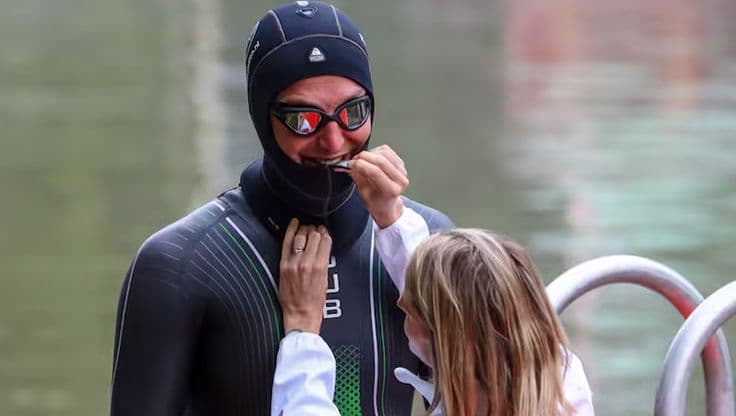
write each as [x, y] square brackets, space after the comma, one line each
[710, 315]
[668, 283]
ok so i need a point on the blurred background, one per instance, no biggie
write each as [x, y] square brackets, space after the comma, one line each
[579, 127]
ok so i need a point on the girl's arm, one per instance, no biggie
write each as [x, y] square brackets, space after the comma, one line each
[397, 242]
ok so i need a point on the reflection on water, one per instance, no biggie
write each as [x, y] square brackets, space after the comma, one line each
[210, 108]
[580, 128]
[622, 114]
[96, 154]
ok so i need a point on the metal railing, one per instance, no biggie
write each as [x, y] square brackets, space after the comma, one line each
[671, 285]
[710, 315]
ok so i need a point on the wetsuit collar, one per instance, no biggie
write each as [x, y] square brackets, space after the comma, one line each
[346, 222]
[317, 191]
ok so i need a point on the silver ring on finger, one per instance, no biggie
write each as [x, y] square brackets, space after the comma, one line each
[298, 250]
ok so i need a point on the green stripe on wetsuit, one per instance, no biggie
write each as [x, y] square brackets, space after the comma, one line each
[271, 293]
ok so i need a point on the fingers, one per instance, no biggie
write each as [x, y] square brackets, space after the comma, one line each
[381, 178]
[303, 277]
[300, 238]
[375, 171]
[325, 245]
[313, 238]
[381, 168]
[388, 163]
[392, 156]
[303, 242]
[288, 244]
[319, 245]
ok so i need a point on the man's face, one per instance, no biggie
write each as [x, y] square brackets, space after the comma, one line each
[331, 142]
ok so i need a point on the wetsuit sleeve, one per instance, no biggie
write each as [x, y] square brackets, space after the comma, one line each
[304, 381]
[436, 220]
[576, 388]
[397, 242]
[154, 341]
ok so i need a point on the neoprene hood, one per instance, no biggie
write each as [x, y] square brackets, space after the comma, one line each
[292, 42]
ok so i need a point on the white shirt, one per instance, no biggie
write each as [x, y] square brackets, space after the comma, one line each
[304, 381]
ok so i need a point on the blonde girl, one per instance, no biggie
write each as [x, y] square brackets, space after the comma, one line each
[478, 314]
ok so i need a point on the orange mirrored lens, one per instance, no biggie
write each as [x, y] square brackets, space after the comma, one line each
[344, 116]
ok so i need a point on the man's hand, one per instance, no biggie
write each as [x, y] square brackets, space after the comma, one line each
[381, 178]
[305, 255]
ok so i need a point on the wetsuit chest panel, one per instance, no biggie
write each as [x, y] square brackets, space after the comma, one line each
[199, 322]
[361, 323]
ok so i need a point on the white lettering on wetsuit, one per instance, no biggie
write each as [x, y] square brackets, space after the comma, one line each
[333, 308]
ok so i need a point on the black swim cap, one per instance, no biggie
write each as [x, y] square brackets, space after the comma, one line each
[292, 42]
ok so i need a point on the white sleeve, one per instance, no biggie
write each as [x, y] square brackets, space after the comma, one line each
[304, 381]
[577, 391]
[397, 242]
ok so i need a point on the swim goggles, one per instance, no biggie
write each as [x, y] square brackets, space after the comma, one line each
[305, 121]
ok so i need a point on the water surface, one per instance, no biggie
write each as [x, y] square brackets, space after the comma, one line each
[580, 128]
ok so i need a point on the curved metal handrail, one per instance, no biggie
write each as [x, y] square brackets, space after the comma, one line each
[668, 283]
[710, 315]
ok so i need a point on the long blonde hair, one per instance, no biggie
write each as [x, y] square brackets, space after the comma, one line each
[491, 326]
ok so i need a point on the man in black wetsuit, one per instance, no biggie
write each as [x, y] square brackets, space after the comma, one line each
[199, 324]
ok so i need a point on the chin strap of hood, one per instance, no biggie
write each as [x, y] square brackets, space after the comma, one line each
[292, 42]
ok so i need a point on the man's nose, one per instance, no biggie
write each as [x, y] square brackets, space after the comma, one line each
[331, 138]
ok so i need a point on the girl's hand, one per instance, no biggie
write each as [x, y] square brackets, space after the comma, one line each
[305, 255]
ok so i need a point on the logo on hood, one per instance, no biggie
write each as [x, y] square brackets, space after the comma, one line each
[316, 55]
[307, 11]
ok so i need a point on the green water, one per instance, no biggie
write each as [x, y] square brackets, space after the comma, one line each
[580, 128]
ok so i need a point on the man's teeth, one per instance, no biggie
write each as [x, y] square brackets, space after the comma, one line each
[331, 161]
